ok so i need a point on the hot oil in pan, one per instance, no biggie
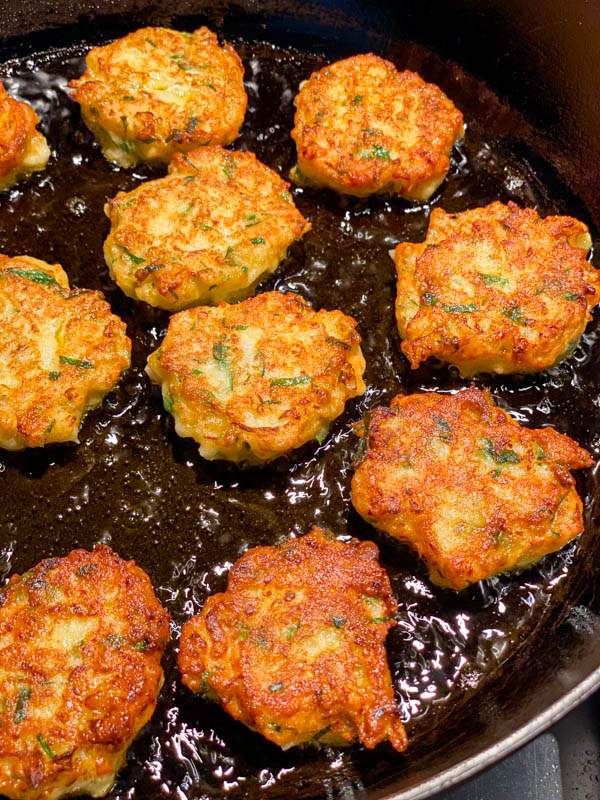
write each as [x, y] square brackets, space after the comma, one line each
[134, 484]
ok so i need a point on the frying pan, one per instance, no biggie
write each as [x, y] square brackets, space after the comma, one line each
[477, 674]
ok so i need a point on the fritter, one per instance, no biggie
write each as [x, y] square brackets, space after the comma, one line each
[295, 647]
[61, 351]
[362, 127]
[469, 489]
[156, 92]
[251, 381]
[81, 640]
[495, 289]
[210, 230]
[23, 149]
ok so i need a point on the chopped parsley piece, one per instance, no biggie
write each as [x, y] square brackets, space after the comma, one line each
[514, 314]
[76, 362]
[301, 380]
[371, 132]
[258, 240]
[444, 427]
[377, 151]
[35, 275]
[572, 296]
[115, 640]
[339, 622]
[429, 299]
[356, 99]
[189, 163]
[141, 645]
[189, 179]
[499, 539]
[219, 353]
[178, 59]
[322, 435]
[490, 279]
[290, 631]
[134, 258]
[322, 732]
[192, 124]
[45, 746]
[276, 687]
[338, 342]
[54, 376]
[244, 632]
[234, 327]
[151, 42]
[86, 569]
[168, 402]
[228, 166]
[210, 86]
[505, 457]
[540, 455]
[459, 309]
[22, 701]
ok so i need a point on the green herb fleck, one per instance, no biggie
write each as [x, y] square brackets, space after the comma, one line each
[258, 240]
[491, 279]
[338, 342]
[459, 309]
[508, 457]
[192, 124]
[339, 622]
[290, 631]
[429, 299]
[210, 86]
[128, 97]
[151, 42]
[301, 380]
[115, 640]
[141, 645]
[45, 746]
[76, 362]
[233, 327]
[219, 352]
[22, 701]
[189, 163]
[228, 166]
[444, 427]
[356, 99]
[276, 687]
[168, 402]
[54, 376]
[514, 314]
[244, 632]
[189, 179]
[134, 258]
[572, 296]
[35, 275]
[377, 151]
[86, 569]
[371, 132]
[540, 455]
[322, 732]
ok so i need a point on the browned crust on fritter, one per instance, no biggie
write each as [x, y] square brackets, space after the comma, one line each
[157, 91]
[469, 489]
[362, 127]
[81, 640]
[210, 230]
[295, 647]
[495, 289]
[45, 328]
[18, 137]
[251, 381]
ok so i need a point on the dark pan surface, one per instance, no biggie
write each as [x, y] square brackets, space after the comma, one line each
[134, 484]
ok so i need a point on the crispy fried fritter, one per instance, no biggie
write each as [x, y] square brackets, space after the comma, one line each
[23, 149]
[495, 289]
[251, 381]
[295, 647]
[362, 127]
[61, 351]
[156, 92]
[469, 489]
[211, 230]
[81, 640]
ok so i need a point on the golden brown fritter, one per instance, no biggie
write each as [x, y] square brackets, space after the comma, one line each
[295, 647]
[81, 640]
[211, 230]
[251, 381]
[23, 149]
[469, 489]
[362, 127]
[495, 289]
[61, 351]
[156, 92]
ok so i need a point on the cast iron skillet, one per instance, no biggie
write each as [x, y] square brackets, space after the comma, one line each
[477, 674]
